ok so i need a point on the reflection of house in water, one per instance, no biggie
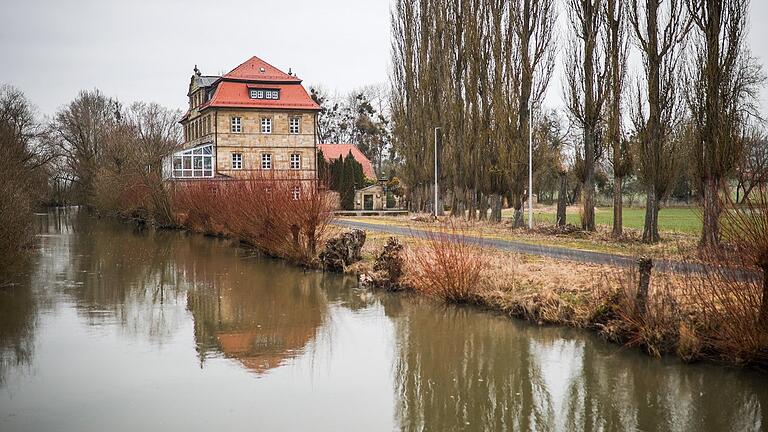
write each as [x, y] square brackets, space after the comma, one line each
[257, 317]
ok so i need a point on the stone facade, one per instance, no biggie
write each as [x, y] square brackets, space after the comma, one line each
[251, 143]
[248, 136]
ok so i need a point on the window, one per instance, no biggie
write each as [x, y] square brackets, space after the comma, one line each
[195, 162]
[295, 161]
[296, 193]
[266, 125]
[266, 161]
[294, 125]
[236, 125]
[237, 161]
[263, 94]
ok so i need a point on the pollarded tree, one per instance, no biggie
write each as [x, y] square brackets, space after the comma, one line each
[586, 92]
[660, 28]
[616, 42]
[533, 24]
[723, 84]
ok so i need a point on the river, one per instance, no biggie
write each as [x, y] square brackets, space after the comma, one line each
[111, 328]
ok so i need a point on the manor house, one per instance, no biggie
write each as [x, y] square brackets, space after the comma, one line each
[255, 121]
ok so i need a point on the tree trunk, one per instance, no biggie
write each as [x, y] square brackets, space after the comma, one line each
[710, 232]
[651, 227]
[483, 207]
[517, 221]
[471, 204]
[617, 207]
[645, 265]
[562, 199]
[496, 204]
[588, 204]
[763, 320]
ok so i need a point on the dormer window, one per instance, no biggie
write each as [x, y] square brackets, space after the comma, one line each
[257, 93]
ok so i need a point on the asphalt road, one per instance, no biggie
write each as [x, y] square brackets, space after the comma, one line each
[534, 249]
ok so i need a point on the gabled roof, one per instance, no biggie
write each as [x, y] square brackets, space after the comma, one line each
[256, 69]
[333, 151]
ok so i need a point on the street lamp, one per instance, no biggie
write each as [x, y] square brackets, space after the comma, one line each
[434, 205]
[530, 164]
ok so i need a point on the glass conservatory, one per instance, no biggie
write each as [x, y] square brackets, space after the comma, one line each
[193, 163]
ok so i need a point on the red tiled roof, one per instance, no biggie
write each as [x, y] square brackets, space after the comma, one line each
[232, 90]
[333, 151]
[231, 94]
[256, 69]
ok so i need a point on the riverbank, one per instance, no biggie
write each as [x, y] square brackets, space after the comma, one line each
[673, 316]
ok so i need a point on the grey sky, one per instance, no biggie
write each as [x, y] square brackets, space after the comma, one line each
[145, 50]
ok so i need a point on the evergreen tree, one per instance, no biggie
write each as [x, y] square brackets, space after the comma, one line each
[347, 183]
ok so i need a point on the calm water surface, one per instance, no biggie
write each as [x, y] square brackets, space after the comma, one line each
[113, 329]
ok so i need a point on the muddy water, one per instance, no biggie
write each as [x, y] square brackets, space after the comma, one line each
[122, 330]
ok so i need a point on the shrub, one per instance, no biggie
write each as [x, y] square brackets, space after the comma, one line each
[654, 325]
[281, 217]
[731, 294]
[446, 265]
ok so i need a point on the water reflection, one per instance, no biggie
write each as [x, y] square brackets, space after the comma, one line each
[159, 321]
[460, 370]
[18, 316]
[251, 316]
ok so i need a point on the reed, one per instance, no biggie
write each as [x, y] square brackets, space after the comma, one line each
[445, 264]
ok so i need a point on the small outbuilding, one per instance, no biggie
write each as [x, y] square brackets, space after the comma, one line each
[373, 197]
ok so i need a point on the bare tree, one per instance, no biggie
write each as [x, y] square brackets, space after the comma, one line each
[752, 167]
[81, 131]
[659, 27]
[616, 51]
[586, 92]
[723, 82]
[23, 176]
[533, 23]
[156, 134]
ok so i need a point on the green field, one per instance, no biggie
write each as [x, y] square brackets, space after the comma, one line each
[684, 220]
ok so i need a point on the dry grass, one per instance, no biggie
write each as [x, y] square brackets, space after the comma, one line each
[446, 265]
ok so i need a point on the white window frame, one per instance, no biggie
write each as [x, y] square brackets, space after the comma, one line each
[294, 125]
[295, 161]
[266, 125]
[266, 161]
[237, 161]
[296, 193]
[236, 124]
[196, 162]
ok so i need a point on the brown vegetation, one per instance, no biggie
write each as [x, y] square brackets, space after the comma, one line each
[280, 217]
[446, 265]
[23, 175]
[710, 313]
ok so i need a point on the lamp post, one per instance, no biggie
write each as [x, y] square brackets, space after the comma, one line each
[434, 205]
[530, 164]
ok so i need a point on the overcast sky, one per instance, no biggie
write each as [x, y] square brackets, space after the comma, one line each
[146, 49]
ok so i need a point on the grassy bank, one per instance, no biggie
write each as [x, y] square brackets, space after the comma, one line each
[671, 220]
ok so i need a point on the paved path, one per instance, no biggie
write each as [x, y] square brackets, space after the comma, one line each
[532, 249]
